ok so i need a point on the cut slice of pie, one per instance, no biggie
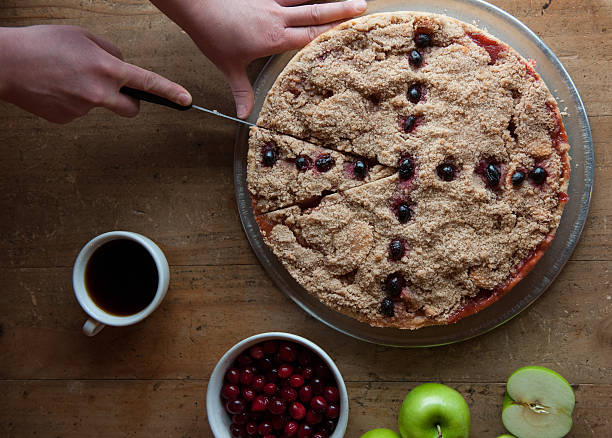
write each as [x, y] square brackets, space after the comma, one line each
[284, 171]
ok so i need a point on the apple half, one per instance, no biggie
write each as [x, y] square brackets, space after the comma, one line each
[538, 403]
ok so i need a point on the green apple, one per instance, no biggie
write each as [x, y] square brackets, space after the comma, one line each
[380, 433]
[538, 403]
[433, 410]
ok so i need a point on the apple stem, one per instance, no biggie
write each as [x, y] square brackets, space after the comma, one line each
[439, 431]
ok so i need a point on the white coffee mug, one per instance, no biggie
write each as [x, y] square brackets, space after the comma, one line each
[98, 317]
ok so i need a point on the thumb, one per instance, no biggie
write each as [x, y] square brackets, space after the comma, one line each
[150, 82]
[243, 93]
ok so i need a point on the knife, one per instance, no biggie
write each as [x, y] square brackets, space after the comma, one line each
[154, 98]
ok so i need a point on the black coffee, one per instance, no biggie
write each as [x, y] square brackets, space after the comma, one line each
[121, 277]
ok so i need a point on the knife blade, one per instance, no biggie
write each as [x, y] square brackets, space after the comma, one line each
[217, 113]
[158, 100]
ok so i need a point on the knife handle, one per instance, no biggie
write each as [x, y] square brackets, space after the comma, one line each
[153, 98]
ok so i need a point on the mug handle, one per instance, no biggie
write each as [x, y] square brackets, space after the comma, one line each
[92, 327]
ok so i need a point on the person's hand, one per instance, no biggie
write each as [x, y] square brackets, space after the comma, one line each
[61, 72]
[232, 33]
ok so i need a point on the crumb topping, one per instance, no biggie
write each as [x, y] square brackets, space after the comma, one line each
[472, 180]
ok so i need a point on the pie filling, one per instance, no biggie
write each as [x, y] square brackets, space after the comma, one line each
[493, 48]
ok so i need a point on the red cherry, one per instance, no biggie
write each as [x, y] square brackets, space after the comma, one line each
[265, 364]
[297, 411]
[236, 430]
[322, 372]
[276, 406]
[264, 428]
[328, 425]
[307, 373]
[244, 360]
[320, 434]
[296, 380]
[318, 404]
[305, 357]
[256, 352]
[278, 422]
[248, 394]
[270, 347]
[240, 418]
[230, 392]
[287, 352]
[331, 394]
[235, 406]
[270, 389]
[289, 394]
[313, 417]
[317, 385]
[232, 375]
[306, 393]
[259, 382]
[246, 377]
[251, 428]
[276, 359]
[305, 431]
[332, 412]
[285, 371]
[259, 403]
[291, 428]
[272, 375]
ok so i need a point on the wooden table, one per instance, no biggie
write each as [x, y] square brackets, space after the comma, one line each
[168, 175]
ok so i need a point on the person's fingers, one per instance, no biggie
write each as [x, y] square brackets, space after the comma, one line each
[313, 15]
[123, 105]
[298, 37]
[150, 82]
[242, 92]
[107, 46]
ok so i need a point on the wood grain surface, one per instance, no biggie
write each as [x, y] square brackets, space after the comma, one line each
[168, 175]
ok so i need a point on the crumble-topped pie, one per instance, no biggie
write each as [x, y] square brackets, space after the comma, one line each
[479, 159]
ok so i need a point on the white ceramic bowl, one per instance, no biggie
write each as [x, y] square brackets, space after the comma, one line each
[220, 421]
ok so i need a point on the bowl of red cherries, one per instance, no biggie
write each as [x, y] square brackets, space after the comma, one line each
[277, 385]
